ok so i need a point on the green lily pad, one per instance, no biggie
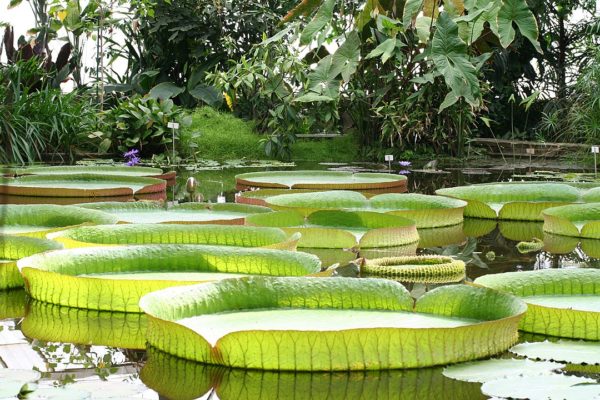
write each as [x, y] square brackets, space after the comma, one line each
[258, 197]
[74, 277]
[12, 248]
[543, 387]
[579, 220]
[38, 220]
[426, 269]
[569, 351]
[308, 324]
[337, 180]
[187, 213]
[497, 368]
[107, 170]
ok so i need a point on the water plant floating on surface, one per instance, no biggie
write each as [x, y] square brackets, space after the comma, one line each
[223, 235]
[13, 248]
[322, 180]
[82, 186]
[426, 269]
[114, 278]
[569, 351]
[426, 211]
[144, 212]
[39, 220]
[516, 201]
[107, 170]
[258, 197]
[579, 220]
[561, 302]
[342, 229]
[338, 324]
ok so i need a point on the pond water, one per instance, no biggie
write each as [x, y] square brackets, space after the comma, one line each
[67, 344]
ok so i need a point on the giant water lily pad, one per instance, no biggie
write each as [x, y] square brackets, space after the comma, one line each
[54, 323]
[580, 220]
[107, 170]
[573, 352]
[543, 387]
[81, 185]
[12, 248]
[426, 269]
[488, 370]
[114, 278]
[188, 213]
[39, 220]
[426, 211]
[234, 235]
[561, 302]
[322, 180]
[513, 201]
[312, 324]
[258, 197]
[180, 379]
[342, 229]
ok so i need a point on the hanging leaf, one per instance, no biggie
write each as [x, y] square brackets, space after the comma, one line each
[385, 50]
[480, 12]
[345, 59]
[165, 90]
[517, 11]
[323, 80]
[411, 10]
[423, 26]
[320, 20]
[208, 94]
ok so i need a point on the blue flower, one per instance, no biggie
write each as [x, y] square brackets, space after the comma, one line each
[131, 153]
[404, 172]
[405, 163]
[133, 161]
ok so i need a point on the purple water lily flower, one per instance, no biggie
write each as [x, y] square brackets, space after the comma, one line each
[133, 161]
[131, 153]
[405, 163]
[131, 157]
[404, 172]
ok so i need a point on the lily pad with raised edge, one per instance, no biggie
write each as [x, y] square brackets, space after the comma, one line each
[12, 248]
[556, 244]
[54, 323]
[513, 201]
[341, 324]
[147, 212]
[568, 351]
[329, 180]
[107, 170]
[12, 303]
[39, 220]
[81, 185]
[222, 235]
[426, 269]
[114, 278]
[561, 302]
[258, 197]
[543, 387]
[497, 368]
[180, 379]
[579, 220]
[341, 229]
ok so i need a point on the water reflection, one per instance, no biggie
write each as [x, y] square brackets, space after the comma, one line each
[179, 379]
[12, 303]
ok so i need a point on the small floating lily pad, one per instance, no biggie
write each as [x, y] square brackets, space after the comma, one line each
[567, 315]
[38, 220]
[309, 324]
[497, 368]
[330, 180]
[427, 269]
[111, 278]
[543, 387]
[188, 213]
[569, 351]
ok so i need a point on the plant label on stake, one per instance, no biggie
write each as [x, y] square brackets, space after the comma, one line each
[595, 151]
[389, 158]
[530, 151]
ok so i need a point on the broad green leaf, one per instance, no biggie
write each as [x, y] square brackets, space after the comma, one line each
[313, 331]
[371, 9]
[454, 7]
[411, 10]
[165, 91]
[112, 170]
[572, 352]
[313, 97]
[384, 49]
[427, 269]
[185, 213]
[345, 58]
[543, 387]
[257, 197]
[555, 317]
[431, 8]
[319, 21]
[423, 25]
[74, 277]
[498, 368]
[207, 94]
[323, 80]
[451, 58]
[482, 12]
[517, 12]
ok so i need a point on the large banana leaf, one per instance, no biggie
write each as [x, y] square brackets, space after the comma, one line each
[425, 269]
[13, 248]
[321, 180]
[180, 379]
[342, 229]
[114, 278]
[515, 201]
[341, 324]
[580, 220]
[234, 235]
[53, 323]
[186, 213]
[560, 302]
[426, 211]
[38, 220]
[110, 170]
[81, 185]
